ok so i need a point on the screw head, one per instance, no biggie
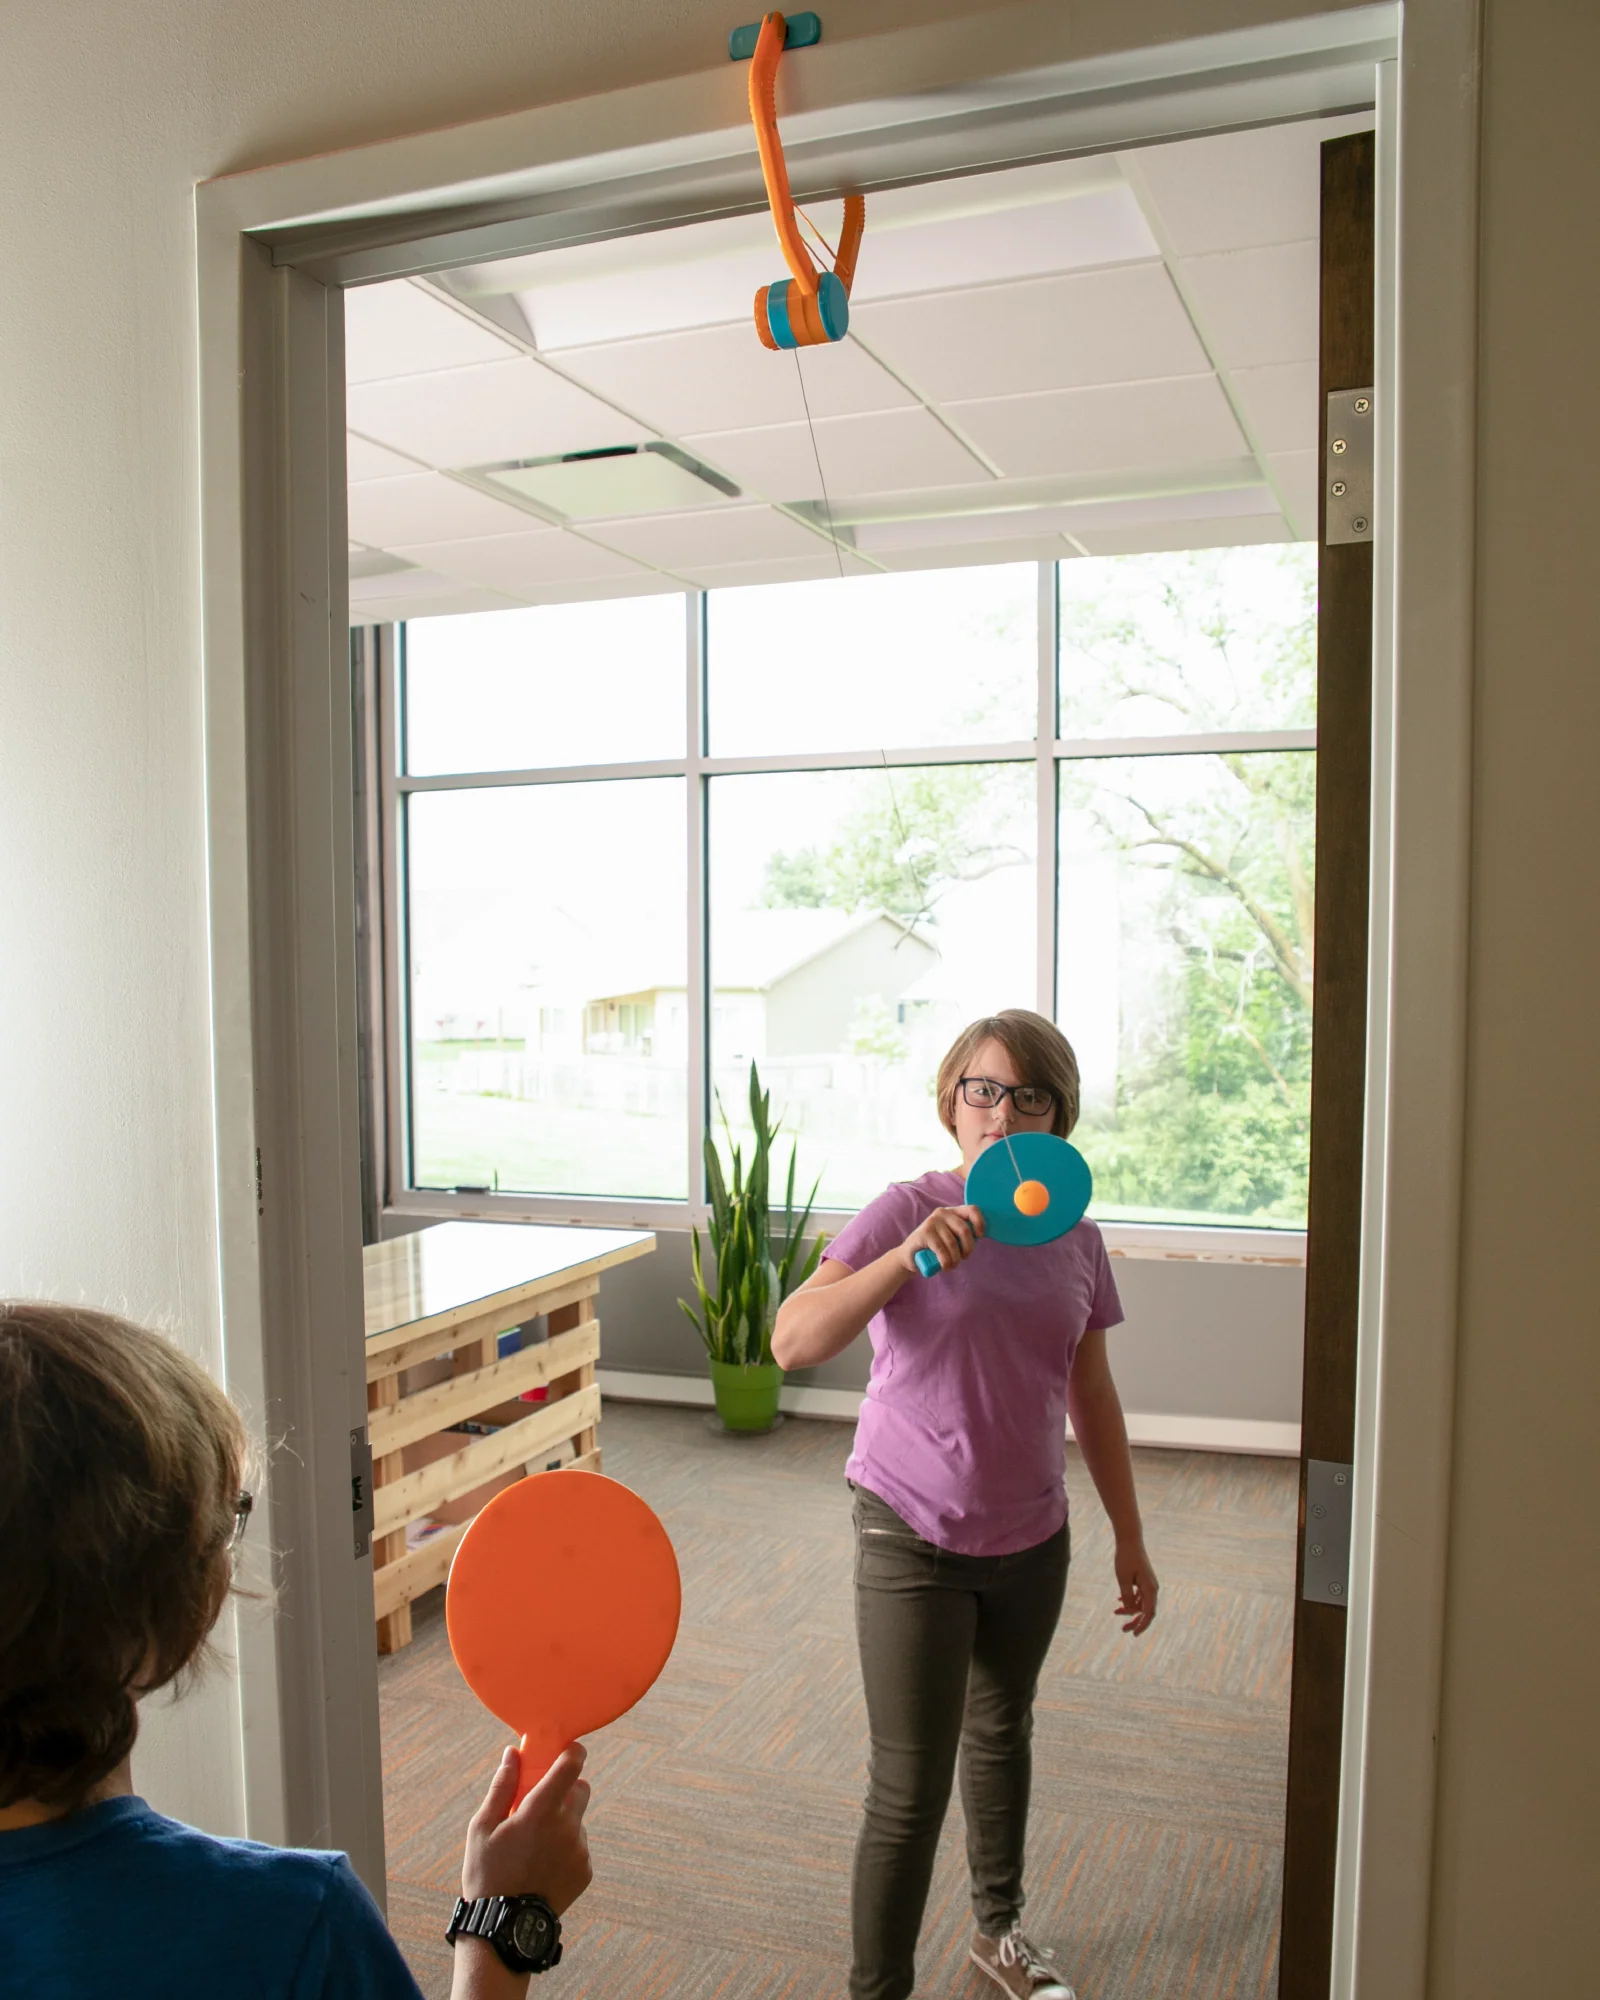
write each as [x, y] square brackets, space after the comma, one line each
[1362, 406]
[1336, 1590]
[1338, 446]
[1338, 489]
[1341, 1479]
[1316, 1548]
[1358, 526]
[1318, 1512]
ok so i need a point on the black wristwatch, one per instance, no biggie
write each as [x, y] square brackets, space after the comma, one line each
[524, 1930]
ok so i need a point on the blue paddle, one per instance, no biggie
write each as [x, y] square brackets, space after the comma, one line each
[1030, 1189]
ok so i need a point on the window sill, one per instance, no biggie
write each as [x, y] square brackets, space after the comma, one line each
[1172, 1243]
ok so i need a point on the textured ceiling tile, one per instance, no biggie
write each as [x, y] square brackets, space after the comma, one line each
[714, 290]
[968, 555]
[392, 610]
[1299, 477]
[1281, 403]
[1051, 333]
[1130, 426]
[777, 569]
[722, 378]
[516, 562]
[1101, 226]
[892, 451]
[418, 582]
[426, 507]
[1235, 189]
[474, 416]
[730, 535]
[1258, 306]
[366, 460]
[1150, 536]
[399, 329]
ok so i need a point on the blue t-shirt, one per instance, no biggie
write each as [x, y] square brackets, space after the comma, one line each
[117, 1903]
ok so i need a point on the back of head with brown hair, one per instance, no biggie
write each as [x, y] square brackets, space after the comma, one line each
[1040, 1051]
[120, 1462]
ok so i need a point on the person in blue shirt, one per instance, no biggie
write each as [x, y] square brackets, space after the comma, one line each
[120, 1503]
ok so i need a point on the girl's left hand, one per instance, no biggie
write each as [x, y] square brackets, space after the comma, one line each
[1136, 1581]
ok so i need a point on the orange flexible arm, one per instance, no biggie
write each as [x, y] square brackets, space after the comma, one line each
[855, 221]
[764, 116]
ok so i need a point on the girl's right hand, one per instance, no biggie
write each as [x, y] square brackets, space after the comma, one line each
[950, 1233]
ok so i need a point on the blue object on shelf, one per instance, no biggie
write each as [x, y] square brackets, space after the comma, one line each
[1057, 1169]
[510, 1342]
[801, 31]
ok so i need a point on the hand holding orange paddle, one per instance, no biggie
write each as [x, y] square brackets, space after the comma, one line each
[537, 1847]
[562, 1609]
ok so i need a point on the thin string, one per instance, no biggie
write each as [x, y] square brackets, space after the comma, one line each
[1012, 1151]
[828, 249]
[811, 432]
[894, 802]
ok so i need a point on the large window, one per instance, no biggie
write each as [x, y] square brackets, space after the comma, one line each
[818, 826]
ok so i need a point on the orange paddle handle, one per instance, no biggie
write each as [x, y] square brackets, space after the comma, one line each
[535, 1756]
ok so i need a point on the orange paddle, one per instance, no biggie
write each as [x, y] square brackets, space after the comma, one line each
[562, 1608]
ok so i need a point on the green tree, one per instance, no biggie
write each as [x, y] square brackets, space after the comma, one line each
[1212, 1108]
[914, 831]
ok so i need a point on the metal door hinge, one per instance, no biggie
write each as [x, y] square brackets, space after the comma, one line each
[1325, 1571]
[361, 1489]
[1347, 480]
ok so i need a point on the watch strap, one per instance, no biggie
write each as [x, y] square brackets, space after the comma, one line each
[493, 1918]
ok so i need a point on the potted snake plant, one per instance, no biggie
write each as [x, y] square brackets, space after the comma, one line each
[759, 1262]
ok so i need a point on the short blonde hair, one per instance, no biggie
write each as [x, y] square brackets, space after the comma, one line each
[1035, 1045]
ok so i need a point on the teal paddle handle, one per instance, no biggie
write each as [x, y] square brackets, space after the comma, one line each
[927, 1263]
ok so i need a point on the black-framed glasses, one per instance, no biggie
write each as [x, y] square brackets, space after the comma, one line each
[243, 1507]
[983, 1094]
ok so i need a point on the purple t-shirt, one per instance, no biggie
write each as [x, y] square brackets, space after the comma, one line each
[964, 1427]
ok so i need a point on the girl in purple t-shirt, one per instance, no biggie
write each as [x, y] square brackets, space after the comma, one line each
[960, 1502]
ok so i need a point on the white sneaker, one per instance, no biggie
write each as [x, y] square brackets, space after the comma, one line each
[1019, 1967]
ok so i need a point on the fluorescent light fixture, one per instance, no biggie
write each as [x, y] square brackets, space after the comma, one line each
[605, 485]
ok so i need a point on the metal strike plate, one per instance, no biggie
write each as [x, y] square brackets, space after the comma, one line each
[1325, 1577]
[361, 1490]
[1347, 480]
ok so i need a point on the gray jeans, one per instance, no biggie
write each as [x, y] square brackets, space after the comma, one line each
[951, 1648]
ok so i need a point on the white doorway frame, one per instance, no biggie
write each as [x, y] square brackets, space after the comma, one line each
[273, 248]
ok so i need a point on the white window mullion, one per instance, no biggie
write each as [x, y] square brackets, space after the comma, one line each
[396, 909]
[1045, 793]
[698, 996]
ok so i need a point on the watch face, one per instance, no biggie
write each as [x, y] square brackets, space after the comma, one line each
[531, 1933]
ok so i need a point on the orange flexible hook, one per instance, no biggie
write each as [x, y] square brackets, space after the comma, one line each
[814, 309]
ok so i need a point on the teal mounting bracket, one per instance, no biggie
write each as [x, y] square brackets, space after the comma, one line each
[801, 31]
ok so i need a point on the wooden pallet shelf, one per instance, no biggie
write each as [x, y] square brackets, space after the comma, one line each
[446, 1422]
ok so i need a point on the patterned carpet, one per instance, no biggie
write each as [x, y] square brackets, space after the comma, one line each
[725, 1806]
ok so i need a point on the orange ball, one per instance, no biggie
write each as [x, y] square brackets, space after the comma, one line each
[1032, 1197]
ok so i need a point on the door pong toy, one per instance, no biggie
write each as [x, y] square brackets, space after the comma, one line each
[1030, 1189]
[562, 1609]
[809, 308]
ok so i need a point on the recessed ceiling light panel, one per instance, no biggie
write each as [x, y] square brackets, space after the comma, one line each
[604, 485]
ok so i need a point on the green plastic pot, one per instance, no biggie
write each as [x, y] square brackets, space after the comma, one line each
[747, 1398]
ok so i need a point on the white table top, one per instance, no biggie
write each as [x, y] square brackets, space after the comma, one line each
[454, 1265]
